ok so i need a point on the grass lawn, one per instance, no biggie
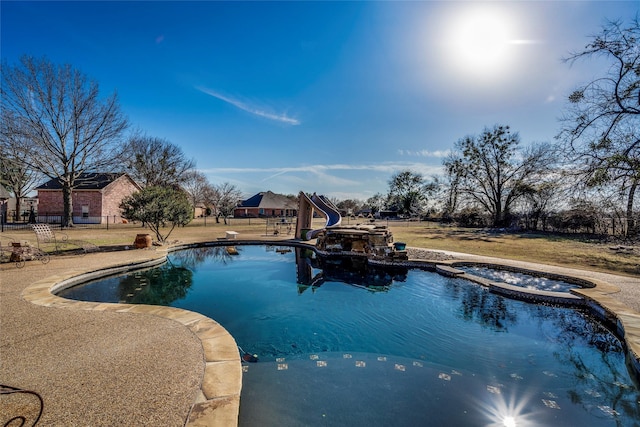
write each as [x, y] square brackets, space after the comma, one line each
[565, 250]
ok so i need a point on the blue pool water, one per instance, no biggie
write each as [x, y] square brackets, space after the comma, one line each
[373, 347]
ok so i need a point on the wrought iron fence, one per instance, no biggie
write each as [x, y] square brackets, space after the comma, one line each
[98, 222]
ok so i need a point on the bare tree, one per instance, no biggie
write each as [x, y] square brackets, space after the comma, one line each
[197, 187]
[64, 128]
[494, 172]
[376, 203]
[449, 185]
[601, 126]
[14, 173]
[349, 206]
[537, 202]
[224, 199]
[155, 161]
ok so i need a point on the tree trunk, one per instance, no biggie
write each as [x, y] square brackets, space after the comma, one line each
[67, 215]
[497, 215]
[631, 224]
[17, 206]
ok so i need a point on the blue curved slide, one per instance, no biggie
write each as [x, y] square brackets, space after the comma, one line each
[327, 209]
[334, 219]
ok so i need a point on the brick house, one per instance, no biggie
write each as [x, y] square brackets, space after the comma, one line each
[96, 198]
[267, 204]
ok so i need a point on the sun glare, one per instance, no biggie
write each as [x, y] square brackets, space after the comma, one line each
[478, 42]
[508, 411]
[480, 39]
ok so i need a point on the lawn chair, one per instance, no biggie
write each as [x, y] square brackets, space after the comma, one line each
[45, 235]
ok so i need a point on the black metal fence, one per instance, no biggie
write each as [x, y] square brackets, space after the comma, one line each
[117, 222]
[98, 222]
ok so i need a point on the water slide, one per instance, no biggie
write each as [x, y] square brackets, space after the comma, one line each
[330, 211]
[324, 207]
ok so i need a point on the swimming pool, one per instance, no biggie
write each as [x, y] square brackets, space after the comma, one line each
[363, 346]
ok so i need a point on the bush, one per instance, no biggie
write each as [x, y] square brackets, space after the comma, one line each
[470, 217]
[158, 207]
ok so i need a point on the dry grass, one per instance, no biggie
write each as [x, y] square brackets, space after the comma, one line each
[569, 251]
[548, 249]
[121, 235]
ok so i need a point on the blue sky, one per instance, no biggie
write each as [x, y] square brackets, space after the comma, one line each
[326, 97]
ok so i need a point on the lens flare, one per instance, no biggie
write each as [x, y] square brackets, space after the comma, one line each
[508, 411]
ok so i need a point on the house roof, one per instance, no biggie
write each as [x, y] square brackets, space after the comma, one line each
[86, 181]
[269, 200]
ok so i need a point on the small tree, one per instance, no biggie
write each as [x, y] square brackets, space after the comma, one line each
[15, 175]
[376, 203]
[449, 186]
[537, 202]
[583, 214]
[470, 216]
[409, 192]
[158, 207]
[224, 199]
[349, 206]
[197, 187]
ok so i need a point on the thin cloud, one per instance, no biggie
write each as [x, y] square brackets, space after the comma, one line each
[282, 118]
[425, 153]
[281, 172]
[324, 169]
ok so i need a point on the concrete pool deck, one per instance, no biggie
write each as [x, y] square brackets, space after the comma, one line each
[117, 364]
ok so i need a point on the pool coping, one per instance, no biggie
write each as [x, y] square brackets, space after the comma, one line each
[218, 400]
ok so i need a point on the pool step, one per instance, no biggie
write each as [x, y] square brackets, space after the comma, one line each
[448, 271]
